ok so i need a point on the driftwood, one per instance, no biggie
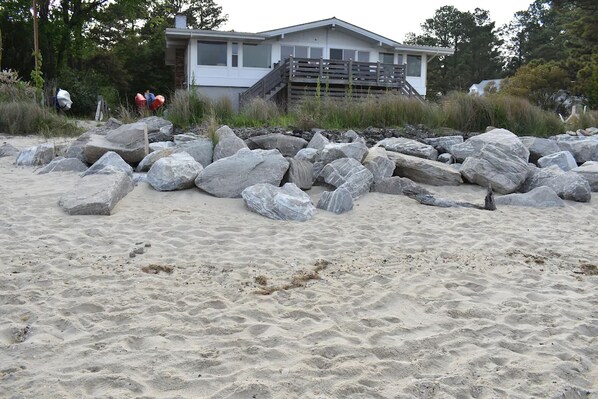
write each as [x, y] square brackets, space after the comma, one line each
[428, 199]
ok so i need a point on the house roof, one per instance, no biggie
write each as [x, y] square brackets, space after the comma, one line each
[174, 35]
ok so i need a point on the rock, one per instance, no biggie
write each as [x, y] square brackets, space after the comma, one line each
[539, 147]
[425, 171]
[583, 150]
[109, 162]
[409, 147]
[446, 158]
[350, 174]
[202, 150]
[567, 185]
[539, 197]
[97, 194]
[77, 148]
[228, 177]
[504, 172]
[443, 144]
[375, 152]
[176, 172]
[287, 145]
[279, 203]
[506, 141]
[64, 165]
[337, 201]
[7, 150]
[158, 129]
[228, 144]
[184, 138]
[139, 178]
[129, 141]
[562, 159]
[381, 167]
[147, 162]
[351, 136]
[318, 142]
[589, 171]
[399, 186]
[37, 155]
[300, 173]
[160, 145]
[307, 154]
[332, 151]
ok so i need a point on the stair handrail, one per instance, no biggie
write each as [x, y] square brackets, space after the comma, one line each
[271, 80]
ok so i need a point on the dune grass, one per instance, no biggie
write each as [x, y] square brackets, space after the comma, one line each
[27, 117]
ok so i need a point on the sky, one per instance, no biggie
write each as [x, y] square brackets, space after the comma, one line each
[392, 19]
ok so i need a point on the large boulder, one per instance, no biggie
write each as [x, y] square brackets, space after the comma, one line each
[425, 171]
[151, 158]
[300, 173]
[227, 143]
[583, 150]
[129, 141]
[158, 129]
[350, 174]
[37, 155]
[562, 159]
[492, 166]
[228, 177]
[279, 203]
[287, 145]
[318, 142]
[568, 185]
[539, 147]
[506, 141]
[589, 171]
[176, 172]
[399, 186]
[381, 167]
[332, 151]
[201, 149]
[444, 143]
[62, 164]
[97, 194]
[337, 201]
[8, 150]
[77, 148]
[160, 145]
[108, 163]
[539, 197]
[409, 147]
[307, 154]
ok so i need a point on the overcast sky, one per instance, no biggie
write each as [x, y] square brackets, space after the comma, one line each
[392, 19]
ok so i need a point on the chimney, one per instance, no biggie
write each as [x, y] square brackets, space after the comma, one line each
[180, 22]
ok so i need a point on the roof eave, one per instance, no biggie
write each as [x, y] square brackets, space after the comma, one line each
[425, 49]
[173, 33]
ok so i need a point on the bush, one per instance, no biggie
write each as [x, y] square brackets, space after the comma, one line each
[27, 117]
[12, 88]
[187, 108]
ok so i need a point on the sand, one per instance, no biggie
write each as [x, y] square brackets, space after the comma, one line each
[392, 300]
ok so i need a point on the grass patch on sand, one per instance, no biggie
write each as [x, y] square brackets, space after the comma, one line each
[297, 281]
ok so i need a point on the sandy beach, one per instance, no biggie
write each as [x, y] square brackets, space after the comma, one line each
[391, 300]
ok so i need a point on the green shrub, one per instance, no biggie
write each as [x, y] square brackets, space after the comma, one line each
[12, 88]
[187, 108]
[27, 117]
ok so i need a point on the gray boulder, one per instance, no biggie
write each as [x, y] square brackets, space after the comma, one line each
[179, 139]
[228, 177]
[399, 186]
[589, 171]
[493, 167]
[279, 203]
[64, 165]
[97, 194]
[425, 171]
[583, 150]
[147, 162]
[539, 197]
[332, 151]
[300, 173]
[409, 147]
[158, 129]
[129, 141]
[176, 172]
[506, 141]
[318, 141]
[539, 147]
[337, 201]
[108, 163]
[562, 159]
[568, 185]
[446, 158]
[202, 150]
[77, 148]
[307, 154]
[160, 145]
[443, 144]
[37, 155]
[7, 150]
[227, 143]
[287, 145]
[350, 174]
[381, 167]
[352, 136]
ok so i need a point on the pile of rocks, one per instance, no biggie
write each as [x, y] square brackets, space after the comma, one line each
[271, 171]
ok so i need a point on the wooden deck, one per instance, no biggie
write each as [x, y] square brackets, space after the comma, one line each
[297, 78]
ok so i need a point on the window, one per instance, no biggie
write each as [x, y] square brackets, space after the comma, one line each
[400, 59]
[235, 60]
[363, 56]
[336, 54]
[211, 53]
[301, 51]
[414, 65]
[287, 51]
[316, 52]
[387, 58]
[349, 54]
[257, 56]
